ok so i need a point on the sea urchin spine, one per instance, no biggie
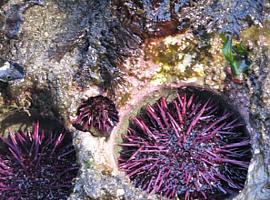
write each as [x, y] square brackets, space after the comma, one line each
[36, 165]
[191, 147]
[97, 115]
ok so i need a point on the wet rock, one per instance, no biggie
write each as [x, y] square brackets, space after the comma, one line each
[253, 99]
[13, 17]
[96, 180]
[161, 18]
[10, 71]
[72, 49]
[105, 43]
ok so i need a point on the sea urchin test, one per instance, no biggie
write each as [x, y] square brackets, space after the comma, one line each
[194, 146]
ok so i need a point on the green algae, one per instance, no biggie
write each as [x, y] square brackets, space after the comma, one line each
[237, 55]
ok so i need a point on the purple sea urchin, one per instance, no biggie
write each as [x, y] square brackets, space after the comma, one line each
[192, 147]
[36, 165]
[97, 115]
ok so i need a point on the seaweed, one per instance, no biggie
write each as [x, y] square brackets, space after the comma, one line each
[236, 55]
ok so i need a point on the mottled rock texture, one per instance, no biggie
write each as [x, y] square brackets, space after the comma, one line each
[75, 49]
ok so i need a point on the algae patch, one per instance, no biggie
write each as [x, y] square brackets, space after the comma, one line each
[183, 57]
[177, 58]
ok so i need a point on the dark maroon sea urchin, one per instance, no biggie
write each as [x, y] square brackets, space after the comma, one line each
[193, 147]
[97, 115]
[36, 165]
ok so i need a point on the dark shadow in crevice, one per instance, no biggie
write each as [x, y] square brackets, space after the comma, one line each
[19, 120]
[44, 102]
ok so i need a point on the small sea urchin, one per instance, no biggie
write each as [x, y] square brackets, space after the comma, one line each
[97, 115]
[192, 147]
[36, 165]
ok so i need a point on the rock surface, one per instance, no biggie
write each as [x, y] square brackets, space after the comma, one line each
[124, 49]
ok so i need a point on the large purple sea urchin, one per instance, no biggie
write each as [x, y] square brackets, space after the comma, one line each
[36, 165]
[192, 147]
[97, 115]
